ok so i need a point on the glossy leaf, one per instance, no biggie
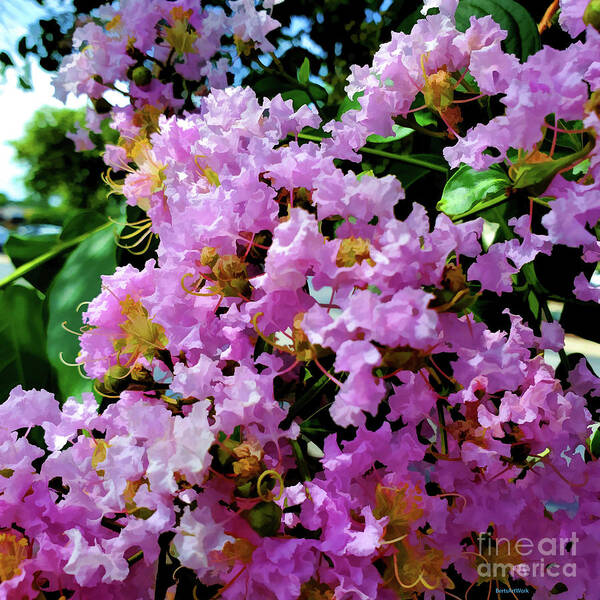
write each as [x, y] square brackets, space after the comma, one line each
[523, 38]
[82, 222]
[399, 133]
[78, 281]
[468, 189]
[23, 341]
[317, 92]
[304, 72]
[536, 177]
[298, 97]
[349, 104]
[22, 249]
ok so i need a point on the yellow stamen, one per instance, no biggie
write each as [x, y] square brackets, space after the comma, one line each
[115, 188]
[114, 22]
[13, 551]
[103, 394]
[64, 326]
[275, 475]
[420, 579]
[191, 292]
[100, 452]
[64, 362]
[129, 247]
[395, 540]
[137, 231]
[133, 224]
[210, 174]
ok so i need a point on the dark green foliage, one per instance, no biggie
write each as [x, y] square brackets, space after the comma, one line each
[522, 39]
[23, 358]
[78, 281]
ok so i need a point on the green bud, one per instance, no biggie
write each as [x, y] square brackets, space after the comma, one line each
[265, 518]
[223, 455]
[115, 380]
[591, 16]
[536, 177]
[141, 76]
[244, 490]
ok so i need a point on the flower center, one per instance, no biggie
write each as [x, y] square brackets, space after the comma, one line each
[13, 551]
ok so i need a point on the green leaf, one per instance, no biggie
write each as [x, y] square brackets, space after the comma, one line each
[368, 173]
[399, 133]
[536, 177]
[523, 38]
[81, 223]
[582, 168]
[304, 72]
[298, 97]
[317, 92]
[21, 249]
[468, 190]
[265, 518]
[572, 141]
[425, 117]
[23, 340]
[25, 83]
[270, 86]
[78, 281]
[534, 304]
[469, 84]
[349, 104]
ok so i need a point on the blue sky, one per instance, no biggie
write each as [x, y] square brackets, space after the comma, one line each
[16, 105]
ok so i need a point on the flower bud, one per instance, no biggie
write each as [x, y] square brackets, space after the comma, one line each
[116, 380]
[209, 256]
[265, 518]
[591, 16]
[141, 76]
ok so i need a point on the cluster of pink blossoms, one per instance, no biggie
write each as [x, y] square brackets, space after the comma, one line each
[286, 288]
[161, 54]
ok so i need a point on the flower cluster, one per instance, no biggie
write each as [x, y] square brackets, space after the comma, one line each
[159, 55]
[299, 398]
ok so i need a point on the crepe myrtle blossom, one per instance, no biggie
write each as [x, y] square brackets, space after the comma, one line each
[300, 397]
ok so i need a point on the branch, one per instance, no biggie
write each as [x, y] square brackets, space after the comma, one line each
[407, 158]
[414, 125]
[42, 258]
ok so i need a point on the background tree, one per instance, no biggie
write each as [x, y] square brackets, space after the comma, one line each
[59, 178]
